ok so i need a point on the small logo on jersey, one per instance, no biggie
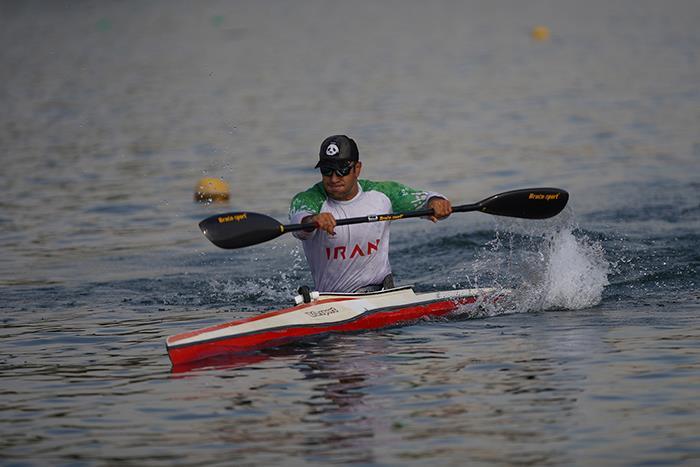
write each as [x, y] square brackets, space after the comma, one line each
[332, 150]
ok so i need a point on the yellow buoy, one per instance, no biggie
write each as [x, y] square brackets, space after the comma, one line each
[540, 33]
[209, 190]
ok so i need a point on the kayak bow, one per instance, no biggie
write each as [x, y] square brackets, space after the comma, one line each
[326, 313]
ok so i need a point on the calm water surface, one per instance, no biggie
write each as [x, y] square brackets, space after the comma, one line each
[113, 111]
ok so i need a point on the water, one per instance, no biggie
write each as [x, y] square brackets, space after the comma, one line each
[112, 111]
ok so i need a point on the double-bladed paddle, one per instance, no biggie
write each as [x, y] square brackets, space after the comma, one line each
[241, 229]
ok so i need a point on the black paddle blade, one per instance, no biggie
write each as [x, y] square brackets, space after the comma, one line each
[529, 203]
[239, 229]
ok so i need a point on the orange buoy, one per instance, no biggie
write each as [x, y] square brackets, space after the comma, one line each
[540, 33]
[211, 190]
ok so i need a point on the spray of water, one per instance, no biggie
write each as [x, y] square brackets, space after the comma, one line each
[577, 272]
[279, 287]
[541, 265]
[549, 265]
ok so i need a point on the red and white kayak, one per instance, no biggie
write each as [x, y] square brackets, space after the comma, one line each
[325, 313]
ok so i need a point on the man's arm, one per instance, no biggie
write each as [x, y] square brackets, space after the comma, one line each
[405, 198]
[304, 206]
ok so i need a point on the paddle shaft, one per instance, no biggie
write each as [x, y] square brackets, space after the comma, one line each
[379, 217]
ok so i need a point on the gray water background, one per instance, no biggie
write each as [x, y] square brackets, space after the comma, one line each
[113, 110]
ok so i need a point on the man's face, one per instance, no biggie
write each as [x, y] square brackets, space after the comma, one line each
[342, 188]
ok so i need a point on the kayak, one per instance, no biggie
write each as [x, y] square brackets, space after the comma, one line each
[318, 314]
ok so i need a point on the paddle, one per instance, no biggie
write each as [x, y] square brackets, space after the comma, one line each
[241, 229]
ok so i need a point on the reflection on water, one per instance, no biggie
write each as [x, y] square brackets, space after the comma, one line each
[544, 389]
[489, 391]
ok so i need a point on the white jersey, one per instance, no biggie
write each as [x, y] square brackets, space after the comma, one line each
[358, 254]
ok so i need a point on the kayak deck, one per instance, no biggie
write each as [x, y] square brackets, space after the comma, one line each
[328, 313]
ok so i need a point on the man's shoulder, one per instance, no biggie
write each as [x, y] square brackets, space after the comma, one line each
[389, 187]
[386, 186]
[402, 197]
[310, 200]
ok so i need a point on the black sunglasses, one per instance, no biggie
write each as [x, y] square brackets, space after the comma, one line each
[343, 172]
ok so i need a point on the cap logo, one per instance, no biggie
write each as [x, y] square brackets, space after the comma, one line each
[332, 149]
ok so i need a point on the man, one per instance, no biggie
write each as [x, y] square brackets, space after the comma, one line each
[352, 258]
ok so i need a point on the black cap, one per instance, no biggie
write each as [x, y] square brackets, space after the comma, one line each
[337, 151]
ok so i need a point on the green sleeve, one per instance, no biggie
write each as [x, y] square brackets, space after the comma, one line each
[310, 200]
[402, 197]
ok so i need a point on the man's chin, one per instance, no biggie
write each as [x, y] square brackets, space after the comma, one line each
[335, 191]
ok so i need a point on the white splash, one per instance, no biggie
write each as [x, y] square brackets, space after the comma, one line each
[576, 273]
[546, 271]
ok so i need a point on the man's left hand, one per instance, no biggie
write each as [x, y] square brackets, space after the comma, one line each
[442, 208]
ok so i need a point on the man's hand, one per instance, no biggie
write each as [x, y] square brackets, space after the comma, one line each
[324, 221]
[442, 208]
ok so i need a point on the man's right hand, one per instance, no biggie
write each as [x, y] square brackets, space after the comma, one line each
[324, 221]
